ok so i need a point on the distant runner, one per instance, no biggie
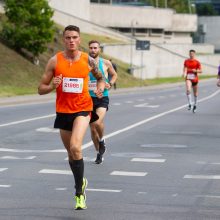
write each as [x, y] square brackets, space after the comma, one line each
[192, 68]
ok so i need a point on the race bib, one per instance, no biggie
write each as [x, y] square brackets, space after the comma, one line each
[191, 76]
[92, 85]
[72, 85]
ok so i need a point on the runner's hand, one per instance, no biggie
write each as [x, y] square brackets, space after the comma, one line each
[57, 81]
[99, 93]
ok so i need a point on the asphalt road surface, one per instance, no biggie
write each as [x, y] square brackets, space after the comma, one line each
[162, 161]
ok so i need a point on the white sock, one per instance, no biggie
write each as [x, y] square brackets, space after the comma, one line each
[189, 99]
[195, 100]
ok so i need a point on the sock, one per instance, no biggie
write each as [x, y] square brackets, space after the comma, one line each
[195, 100]
[189, 99]
[102, 139]
[77, 167]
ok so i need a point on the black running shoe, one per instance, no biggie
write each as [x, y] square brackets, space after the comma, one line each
[194, 109]
[99, 159]
[189, 107]
[102, 147]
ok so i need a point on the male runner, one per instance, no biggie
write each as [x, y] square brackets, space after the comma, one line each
[192, 68]
[100, 106]
[68, 73]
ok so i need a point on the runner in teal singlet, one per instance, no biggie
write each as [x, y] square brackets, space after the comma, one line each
[100, 106]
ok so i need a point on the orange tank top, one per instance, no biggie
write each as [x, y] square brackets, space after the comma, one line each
[73, 94]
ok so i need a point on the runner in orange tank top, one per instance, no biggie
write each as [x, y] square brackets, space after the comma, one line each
[68, 73]
[192, 68]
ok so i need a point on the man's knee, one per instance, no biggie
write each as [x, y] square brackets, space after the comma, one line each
[187, 92]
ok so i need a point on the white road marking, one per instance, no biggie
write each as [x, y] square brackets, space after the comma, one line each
[208, 196]
[142, 192]
[3, 169]
[116, 103]
[86, 159]
[148, 160]
[27, 120]
[128, 102]
[48, 130]
[162, 97]
[49, 171]
[204, 163]
[32, 151]
[202, 177]
[151, 98]
[146, 105]
[17, 158]
[103, 190]
[140, 100]
[125, 173]
[61, 189]
[5, 186]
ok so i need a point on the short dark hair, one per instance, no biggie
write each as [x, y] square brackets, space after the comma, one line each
[192, 51]
[71, 28]
[94, 41]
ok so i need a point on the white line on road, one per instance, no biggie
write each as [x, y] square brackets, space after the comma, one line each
[148, 160]
[32, 151]
[49, 171]
[202, 177]
[17, 158]
[103, 190]
[5, 186]
[208, 196]
[3, 169]
[125, 173]
[48, 130]
[61, 189]
[27, 120]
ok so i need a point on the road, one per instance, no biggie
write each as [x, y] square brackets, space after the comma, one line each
[162, 161]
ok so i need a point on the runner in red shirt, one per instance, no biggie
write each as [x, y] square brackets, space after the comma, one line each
[192, 68]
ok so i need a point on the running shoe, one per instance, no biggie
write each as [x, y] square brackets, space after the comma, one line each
[194, 109]
[102, 147]
[189, 107]
[80, 202]
[99, 159]
[81, 199]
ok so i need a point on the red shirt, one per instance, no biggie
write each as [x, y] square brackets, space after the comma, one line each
[192, 64]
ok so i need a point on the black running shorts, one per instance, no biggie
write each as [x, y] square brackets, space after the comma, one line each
[65, 120]
[100, 103]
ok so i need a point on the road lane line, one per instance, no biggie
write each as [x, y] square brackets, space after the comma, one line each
[202, 177]
[5, 186]
[103, 190]
[62, 172]
[3, 169]
[125, 173]
[17, 158]
[27, 120]
[148, 160]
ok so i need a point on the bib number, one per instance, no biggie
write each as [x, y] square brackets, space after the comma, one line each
[92, 85]
[191, 76]
[72, 85]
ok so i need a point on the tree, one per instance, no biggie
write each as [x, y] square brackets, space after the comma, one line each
[28, 26]
[205, 9]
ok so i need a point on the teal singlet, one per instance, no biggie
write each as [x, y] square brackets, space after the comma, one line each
[93, 81]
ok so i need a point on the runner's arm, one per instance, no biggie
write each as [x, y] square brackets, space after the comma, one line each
[98, 75]
[111, 72]
[45, 85]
